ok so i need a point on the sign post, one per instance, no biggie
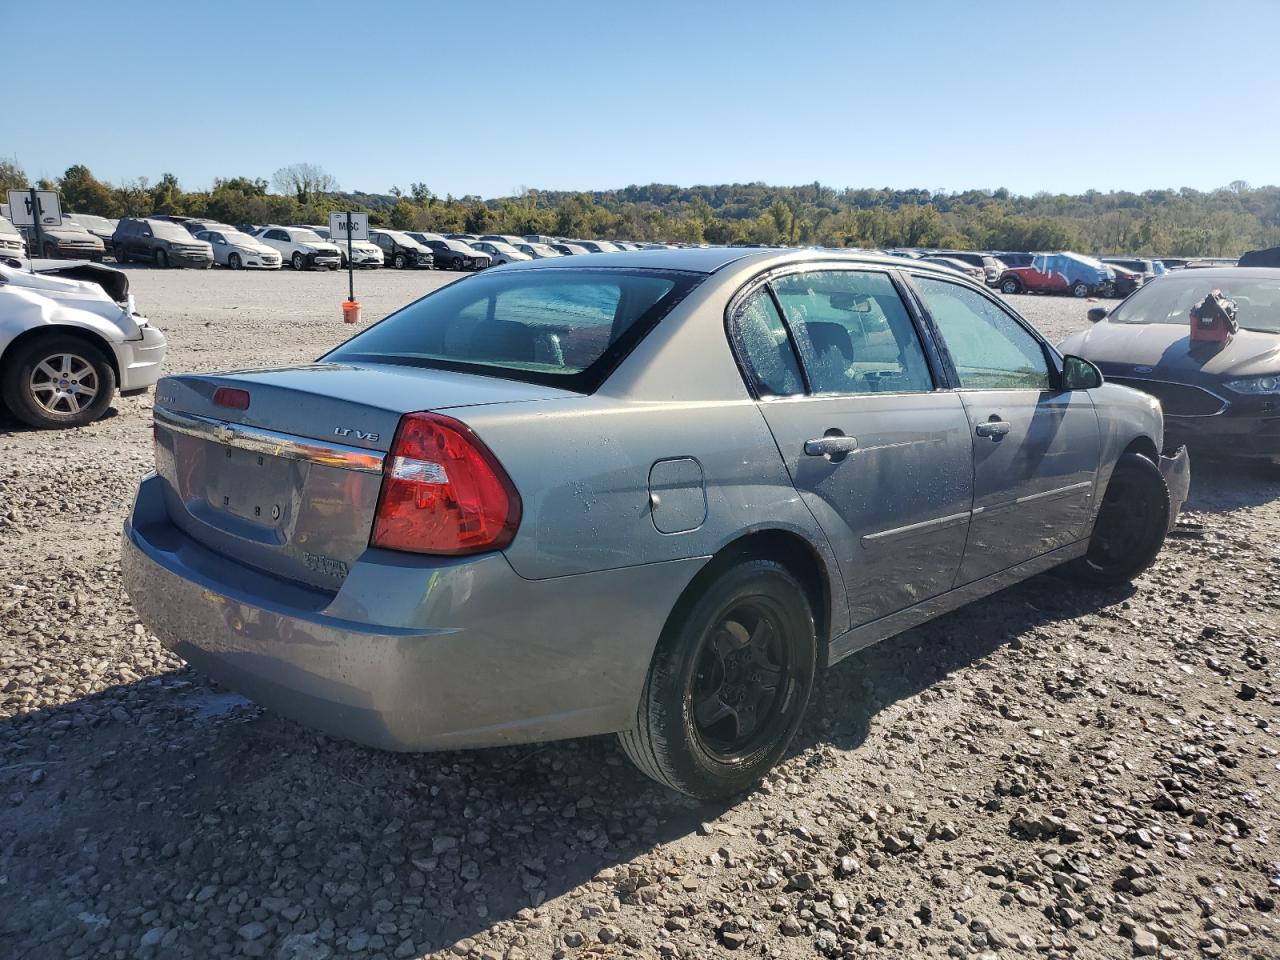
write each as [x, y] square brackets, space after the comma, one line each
[36, 209]
[352, 226]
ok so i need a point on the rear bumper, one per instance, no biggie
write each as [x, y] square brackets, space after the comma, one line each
[412, 652]
[1175, 467]
[141, 361]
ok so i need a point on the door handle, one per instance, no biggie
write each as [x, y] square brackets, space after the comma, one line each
[833, 445]
[994, 429]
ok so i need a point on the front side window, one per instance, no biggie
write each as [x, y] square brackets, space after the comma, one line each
[765, 348]
[990, 350]
[562, 328]
[853, 332]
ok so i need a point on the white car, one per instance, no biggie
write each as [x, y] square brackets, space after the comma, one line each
[499, 252]
[538, 251]
[11, 242]
[364, 255]
[69, 338]
[302, 248]
[239, 251]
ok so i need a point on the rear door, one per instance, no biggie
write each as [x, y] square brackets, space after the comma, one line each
[1035, 447]
[878, 450]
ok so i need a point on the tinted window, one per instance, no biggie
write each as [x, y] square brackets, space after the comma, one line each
[853, 332]
[563, 328]
[765, 349]
[990, 349]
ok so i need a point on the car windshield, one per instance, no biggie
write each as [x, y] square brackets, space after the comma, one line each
[1170, 299]
[165, 230]
[305, 236]
[90, 222]
[566, 328]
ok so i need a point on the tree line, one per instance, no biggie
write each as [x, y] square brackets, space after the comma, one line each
[1167, 222]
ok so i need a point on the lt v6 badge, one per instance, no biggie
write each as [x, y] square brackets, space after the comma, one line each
[358, 434]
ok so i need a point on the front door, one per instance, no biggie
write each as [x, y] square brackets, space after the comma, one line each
[1035, 447]
[880, 457]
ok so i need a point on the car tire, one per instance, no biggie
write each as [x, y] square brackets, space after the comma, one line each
[1080, 290]
[400, 261]
[297, 261]
[162, 260]
[719, 651]
[27, 372]
[121, 256]
[455, 263]
[1130, 527]
[234, 262]
[50, 251]
[1011, 285]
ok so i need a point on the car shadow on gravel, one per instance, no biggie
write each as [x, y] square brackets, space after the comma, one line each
[11, 425]
[168, 805]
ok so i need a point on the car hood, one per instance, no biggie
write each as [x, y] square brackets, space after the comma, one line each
[28, 301]
[62, 233]
[1167, 349]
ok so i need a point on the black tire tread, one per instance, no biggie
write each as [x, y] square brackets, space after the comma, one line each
[1085, 572]
[644, 743]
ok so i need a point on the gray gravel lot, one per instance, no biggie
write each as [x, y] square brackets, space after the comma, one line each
[1054, 773]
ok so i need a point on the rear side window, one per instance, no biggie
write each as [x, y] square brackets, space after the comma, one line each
[853, 332]
[765, 348]
[990, 350]
[566, 328]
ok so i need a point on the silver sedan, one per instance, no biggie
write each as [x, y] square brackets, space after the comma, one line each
[650, 493]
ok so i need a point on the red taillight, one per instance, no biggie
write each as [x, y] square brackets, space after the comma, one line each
[229, 397]
[443, 491]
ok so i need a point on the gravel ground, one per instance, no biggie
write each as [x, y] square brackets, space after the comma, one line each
[1055, 773]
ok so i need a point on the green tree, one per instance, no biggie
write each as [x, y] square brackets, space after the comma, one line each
[82, 192]
[12, 177]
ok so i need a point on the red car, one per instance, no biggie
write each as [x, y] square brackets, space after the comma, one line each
[1060, 273]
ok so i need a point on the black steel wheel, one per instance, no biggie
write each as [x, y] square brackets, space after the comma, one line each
[162, 259]
[1130, 527]
[728, 684]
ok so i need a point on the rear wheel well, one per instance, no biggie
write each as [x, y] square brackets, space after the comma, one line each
[88, 336]
[781, 546]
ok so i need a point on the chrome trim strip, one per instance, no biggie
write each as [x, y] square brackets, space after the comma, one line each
[924, 526]
[258, 440]
[1053, 494]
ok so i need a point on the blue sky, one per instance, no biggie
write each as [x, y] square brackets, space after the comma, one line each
[486, 98]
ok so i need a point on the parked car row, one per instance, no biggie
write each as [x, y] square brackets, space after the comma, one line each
[1054, 272]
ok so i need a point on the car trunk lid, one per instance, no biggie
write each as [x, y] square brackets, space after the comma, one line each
[290, 483]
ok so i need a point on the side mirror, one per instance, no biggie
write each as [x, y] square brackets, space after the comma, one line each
[1079, 374]
[1097, 313]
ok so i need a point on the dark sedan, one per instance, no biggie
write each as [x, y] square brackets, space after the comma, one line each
[1217, 397]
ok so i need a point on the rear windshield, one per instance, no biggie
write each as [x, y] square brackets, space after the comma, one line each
[563, 327]
[1170, 299]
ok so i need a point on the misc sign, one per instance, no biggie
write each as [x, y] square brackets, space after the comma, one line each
[338, 226]
[30, 207]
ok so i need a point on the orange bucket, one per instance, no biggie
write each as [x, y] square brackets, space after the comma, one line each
[351, 311]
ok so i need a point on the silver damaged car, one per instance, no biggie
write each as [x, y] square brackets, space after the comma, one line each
[650, 493]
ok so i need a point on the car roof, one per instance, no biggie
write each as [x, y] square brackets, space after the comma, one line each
[710, 259]
[1228, 273]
